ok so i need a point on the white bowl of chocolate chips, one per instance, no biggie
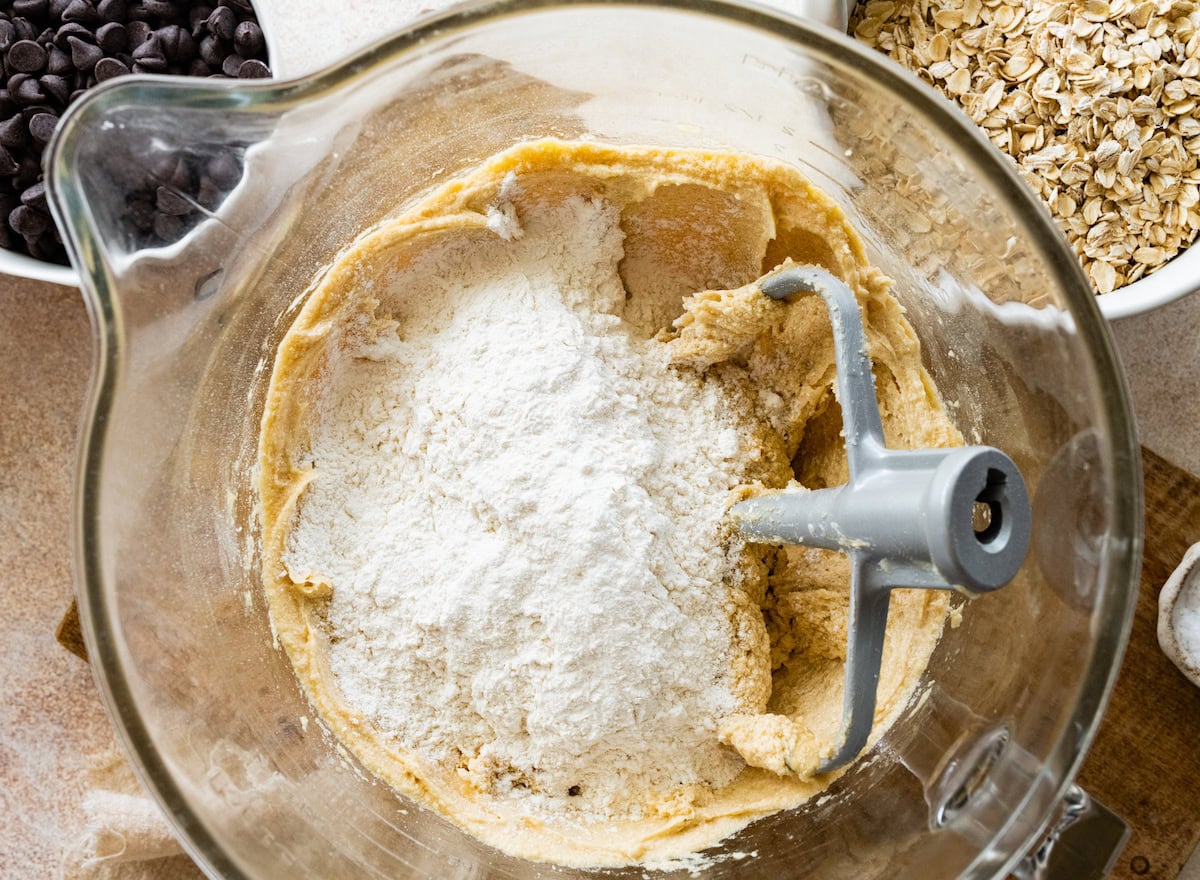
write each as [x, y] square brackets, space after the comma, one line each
[52, 51]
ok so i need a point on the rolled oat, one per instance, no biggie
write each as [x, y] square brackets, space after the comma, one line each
[1095, 101]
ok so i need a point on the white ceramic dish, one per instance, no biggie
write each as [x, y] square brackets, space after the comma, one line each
[12, 263]
[1178, 593]
[1174, 281]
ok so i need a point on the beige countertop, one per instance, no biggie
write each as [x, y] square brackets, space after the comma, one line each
[51, 718]
[1161, 354]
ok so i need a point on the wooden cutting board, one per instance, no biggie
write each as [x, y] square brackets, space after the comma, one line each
[1145, 762]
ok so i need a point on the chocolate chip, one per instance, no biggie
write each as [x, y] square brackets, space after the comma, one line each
[141, 212]
[13, 133]
[198, 68]
[8, 34]
[29, 169]
[230, 65]
[112, 38]
[177, 44]
[248, 39]
[50, 244]
[171, 171]
[168, 227]
[84, 55]
[139, 32]
[8, 165]
[169, 35]
[72, 29]
[211, 52]
[242, 6]
[224, 170]
[27, 113]
[58, 62]
[186, 50]
[150, 65]
[35, 197]
[252, 68]
[26, 56]
[42, 127]
[208, 194]
[25, 29]
[107, 68]
[28, 91]
[159, 8]
[113, 10]
[31, 8]
[58, 7]
[198, 16]
[27, 221]
[43, 247]
[222, 23]
[171, 202]
[128, 173]
[57, 87]
[149, 56]
[151, 47]
[82, 12]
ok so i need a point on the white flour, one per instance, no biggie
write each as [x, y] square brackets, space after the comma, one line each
[517, 505]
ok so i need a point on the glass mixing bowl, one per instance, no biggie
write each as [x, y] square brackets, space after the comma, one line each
[166, 555]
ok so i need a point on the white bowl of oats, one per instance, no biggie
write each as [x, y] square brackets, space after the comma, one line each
[1175, 280]
[1097, 103]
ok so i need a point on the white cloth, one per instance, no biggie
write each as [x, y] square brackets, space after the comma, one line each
[126, 836]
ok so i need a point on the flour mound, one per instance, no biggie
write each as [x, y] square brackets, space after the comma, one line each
[518, 506]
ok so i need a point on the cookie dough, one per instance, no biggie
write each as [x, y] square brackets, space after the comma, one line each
[695, 228]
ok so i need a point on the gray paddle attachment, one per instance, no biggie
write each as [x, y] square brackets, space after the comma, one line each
[943, 519]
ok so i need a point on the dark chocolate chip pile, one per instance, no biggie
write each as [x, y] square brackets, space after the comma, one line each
[174, 188]
[53, 50]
